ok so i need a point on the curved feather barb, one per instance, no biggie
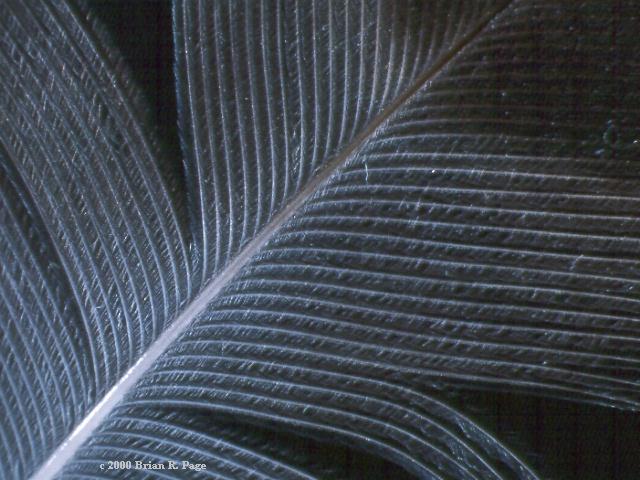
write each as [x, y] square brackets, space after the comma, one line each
[381, 204]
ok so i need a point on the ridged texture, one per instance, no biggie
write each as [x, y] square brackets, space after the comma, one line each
[98, 266]
[268, 92]
[228, 452]
[42, 352]
[429, 439]
[484, 236]
[449, 197]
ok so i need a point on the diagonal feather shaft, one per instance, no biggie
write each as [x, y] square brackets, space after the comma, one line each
[85, 429]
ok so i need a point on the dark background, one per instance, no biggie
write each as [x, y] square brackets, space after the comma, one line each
[559, 439]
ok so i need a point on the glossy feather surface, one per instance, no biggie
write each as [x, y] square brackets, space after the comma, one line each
[383, 203]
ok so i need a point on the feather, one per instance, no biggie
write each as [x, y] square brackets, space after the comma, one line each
[382, 203]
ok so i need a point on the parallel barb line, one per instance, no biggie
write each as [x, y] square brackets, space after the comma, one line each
[90, 423]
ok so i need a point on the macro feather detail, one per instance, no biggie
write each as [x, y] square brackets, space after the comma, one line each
[383, 203]
[314, 73]
[70, 131]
